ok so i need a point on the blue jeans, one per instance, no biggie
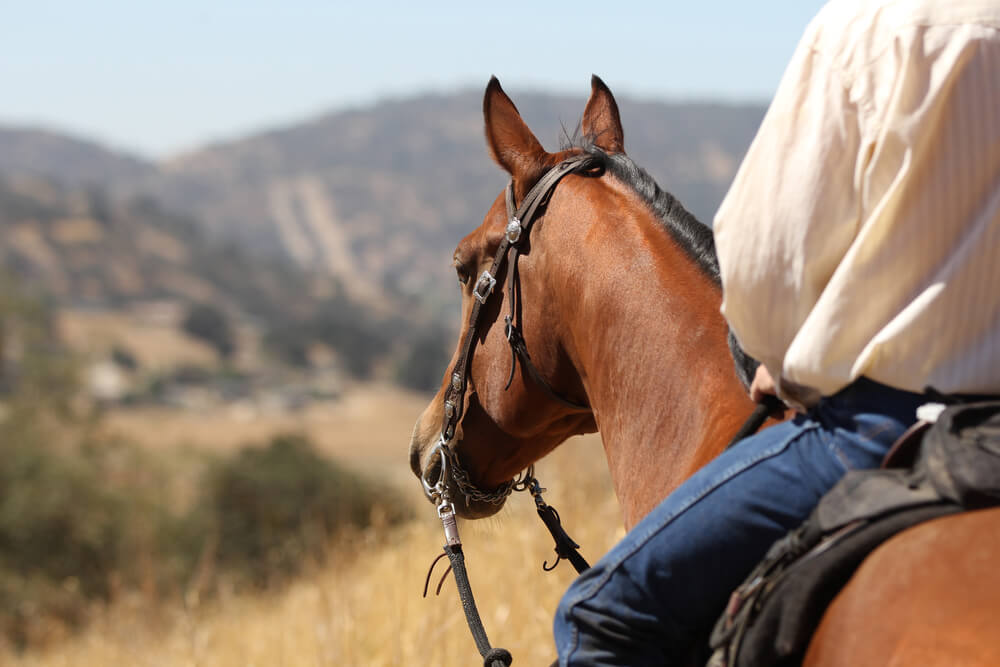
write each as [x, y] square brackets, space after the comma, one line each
[656, 594]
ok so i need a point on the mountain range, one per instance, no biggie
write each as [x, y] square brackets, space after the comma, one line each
[364, 203]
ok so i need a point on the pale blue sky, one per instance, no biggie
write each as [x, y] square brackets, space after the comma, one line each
[160, 77]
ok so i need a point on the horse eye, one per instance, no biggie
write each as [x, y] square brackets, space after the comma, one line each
[463, 275]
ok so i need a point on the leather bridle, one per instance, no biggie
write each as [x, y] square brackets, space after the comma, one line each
[519, 223]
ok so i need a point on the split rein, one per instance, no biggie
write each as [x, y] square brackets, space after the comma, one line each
[444, 457]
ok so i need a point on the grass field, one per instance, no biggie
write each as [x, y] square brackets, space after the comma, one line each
[363, 606]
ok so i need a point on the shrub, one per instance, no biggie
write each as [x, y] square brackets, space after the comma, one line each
[67, 532]
[210, 325]
[276, 508]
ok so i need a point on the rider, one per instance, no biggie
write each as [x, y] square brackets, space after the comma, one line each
[859, 248]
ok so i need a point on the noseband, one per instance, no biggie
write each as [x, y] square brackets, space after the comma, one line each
[519, 223]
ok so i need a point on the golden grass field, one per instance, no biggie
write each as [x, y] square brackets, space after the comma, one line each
[364, 606]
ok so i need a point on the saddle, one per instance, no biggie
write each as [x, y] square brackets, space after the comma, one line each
[935, 469]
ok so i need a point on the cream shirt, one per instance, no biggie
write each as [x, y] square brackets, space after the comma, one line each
[861, 235]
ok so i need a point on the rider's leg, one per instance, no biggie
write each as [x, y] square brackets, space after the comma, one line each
[665, 583]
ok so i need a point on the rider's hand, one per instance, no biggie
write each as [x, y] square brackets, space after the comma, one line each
[763, 385]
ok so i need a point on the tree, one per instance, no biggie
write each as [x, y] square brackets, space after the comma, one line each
[211, 325]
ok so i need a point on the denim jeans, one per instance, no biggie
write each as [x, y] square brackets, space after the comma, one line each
[656, 594]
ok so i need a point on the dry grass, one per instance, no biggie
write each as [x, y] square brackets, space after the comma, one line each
[156, 346]
[364, 606]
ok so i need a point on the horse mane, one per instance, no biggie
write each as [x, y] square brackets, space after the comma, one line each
[694, 237]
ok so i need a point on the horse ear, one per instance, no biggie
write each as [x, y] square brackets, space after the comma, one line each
[601, 122]
[511, 143]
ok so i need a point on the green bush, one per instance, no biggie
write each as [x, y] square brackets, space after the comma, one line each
[211, 325]
[77, 522]
[277, 508]
[80, 525]
[60, 538]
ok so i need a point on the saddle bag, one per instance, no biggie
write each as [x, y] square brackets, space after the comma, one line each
[771, 617]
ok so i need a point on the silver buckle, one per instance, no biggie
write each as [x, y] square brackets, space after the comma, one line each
[513, 230]
[484, 287]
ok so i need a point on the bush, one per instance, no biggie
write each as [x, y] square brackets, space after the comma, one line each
[60, 537]
[78, 525]
[210, 325]
[75, 523]
[276, 508]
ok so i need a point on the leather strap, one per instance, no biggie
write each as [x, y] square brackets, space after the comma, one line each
[534, 201]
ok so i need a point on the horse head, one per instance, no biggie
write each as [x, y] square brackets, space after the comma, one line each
[514, 411]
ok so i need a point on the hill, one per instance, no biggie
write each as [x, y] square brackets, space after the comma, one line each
[338, 230]
[378, 196]
[69, 161]
[86, 250]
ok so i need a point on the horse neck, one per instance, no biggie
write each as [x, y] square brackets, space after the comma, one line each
[650, 347]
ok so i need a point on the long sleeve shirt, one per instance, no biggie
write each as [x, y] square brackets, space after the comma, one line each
[861, 235]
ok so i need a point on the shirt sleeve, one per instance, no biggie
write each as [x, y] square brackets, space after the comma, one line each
[793, 208]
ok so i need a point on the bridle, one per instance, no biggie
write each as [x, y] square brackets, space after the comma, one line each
[519, 223]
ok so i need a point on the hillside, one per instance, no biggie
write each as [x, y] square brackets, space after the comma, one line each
[89, 252]
[69, 161]
[378, 196]
[337, 231]
[85, 248]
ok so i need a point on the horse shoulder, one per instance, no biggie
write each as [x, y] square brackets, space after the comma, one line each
[927, 597]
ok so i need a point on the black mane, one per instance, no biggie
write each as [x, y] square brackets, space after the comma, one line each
[694, 237]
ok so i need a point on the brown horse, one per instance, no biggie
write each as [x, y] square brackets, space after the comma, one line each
[619, 306]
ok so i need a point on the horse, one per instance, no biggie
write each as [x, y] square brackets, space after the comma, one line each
[616, 296]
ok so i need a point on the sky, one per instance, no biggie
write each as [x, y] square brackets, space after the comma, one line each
[157, 78]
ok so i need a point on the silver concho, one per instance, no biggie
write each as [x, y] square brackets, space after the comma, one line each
[513, 230]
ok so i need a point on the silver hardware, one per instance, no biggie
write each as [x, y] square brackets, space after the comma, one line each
[513, 230]
[446, 512]
[449, 409]
[484, 286]
[456, 382]
[437, 490]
